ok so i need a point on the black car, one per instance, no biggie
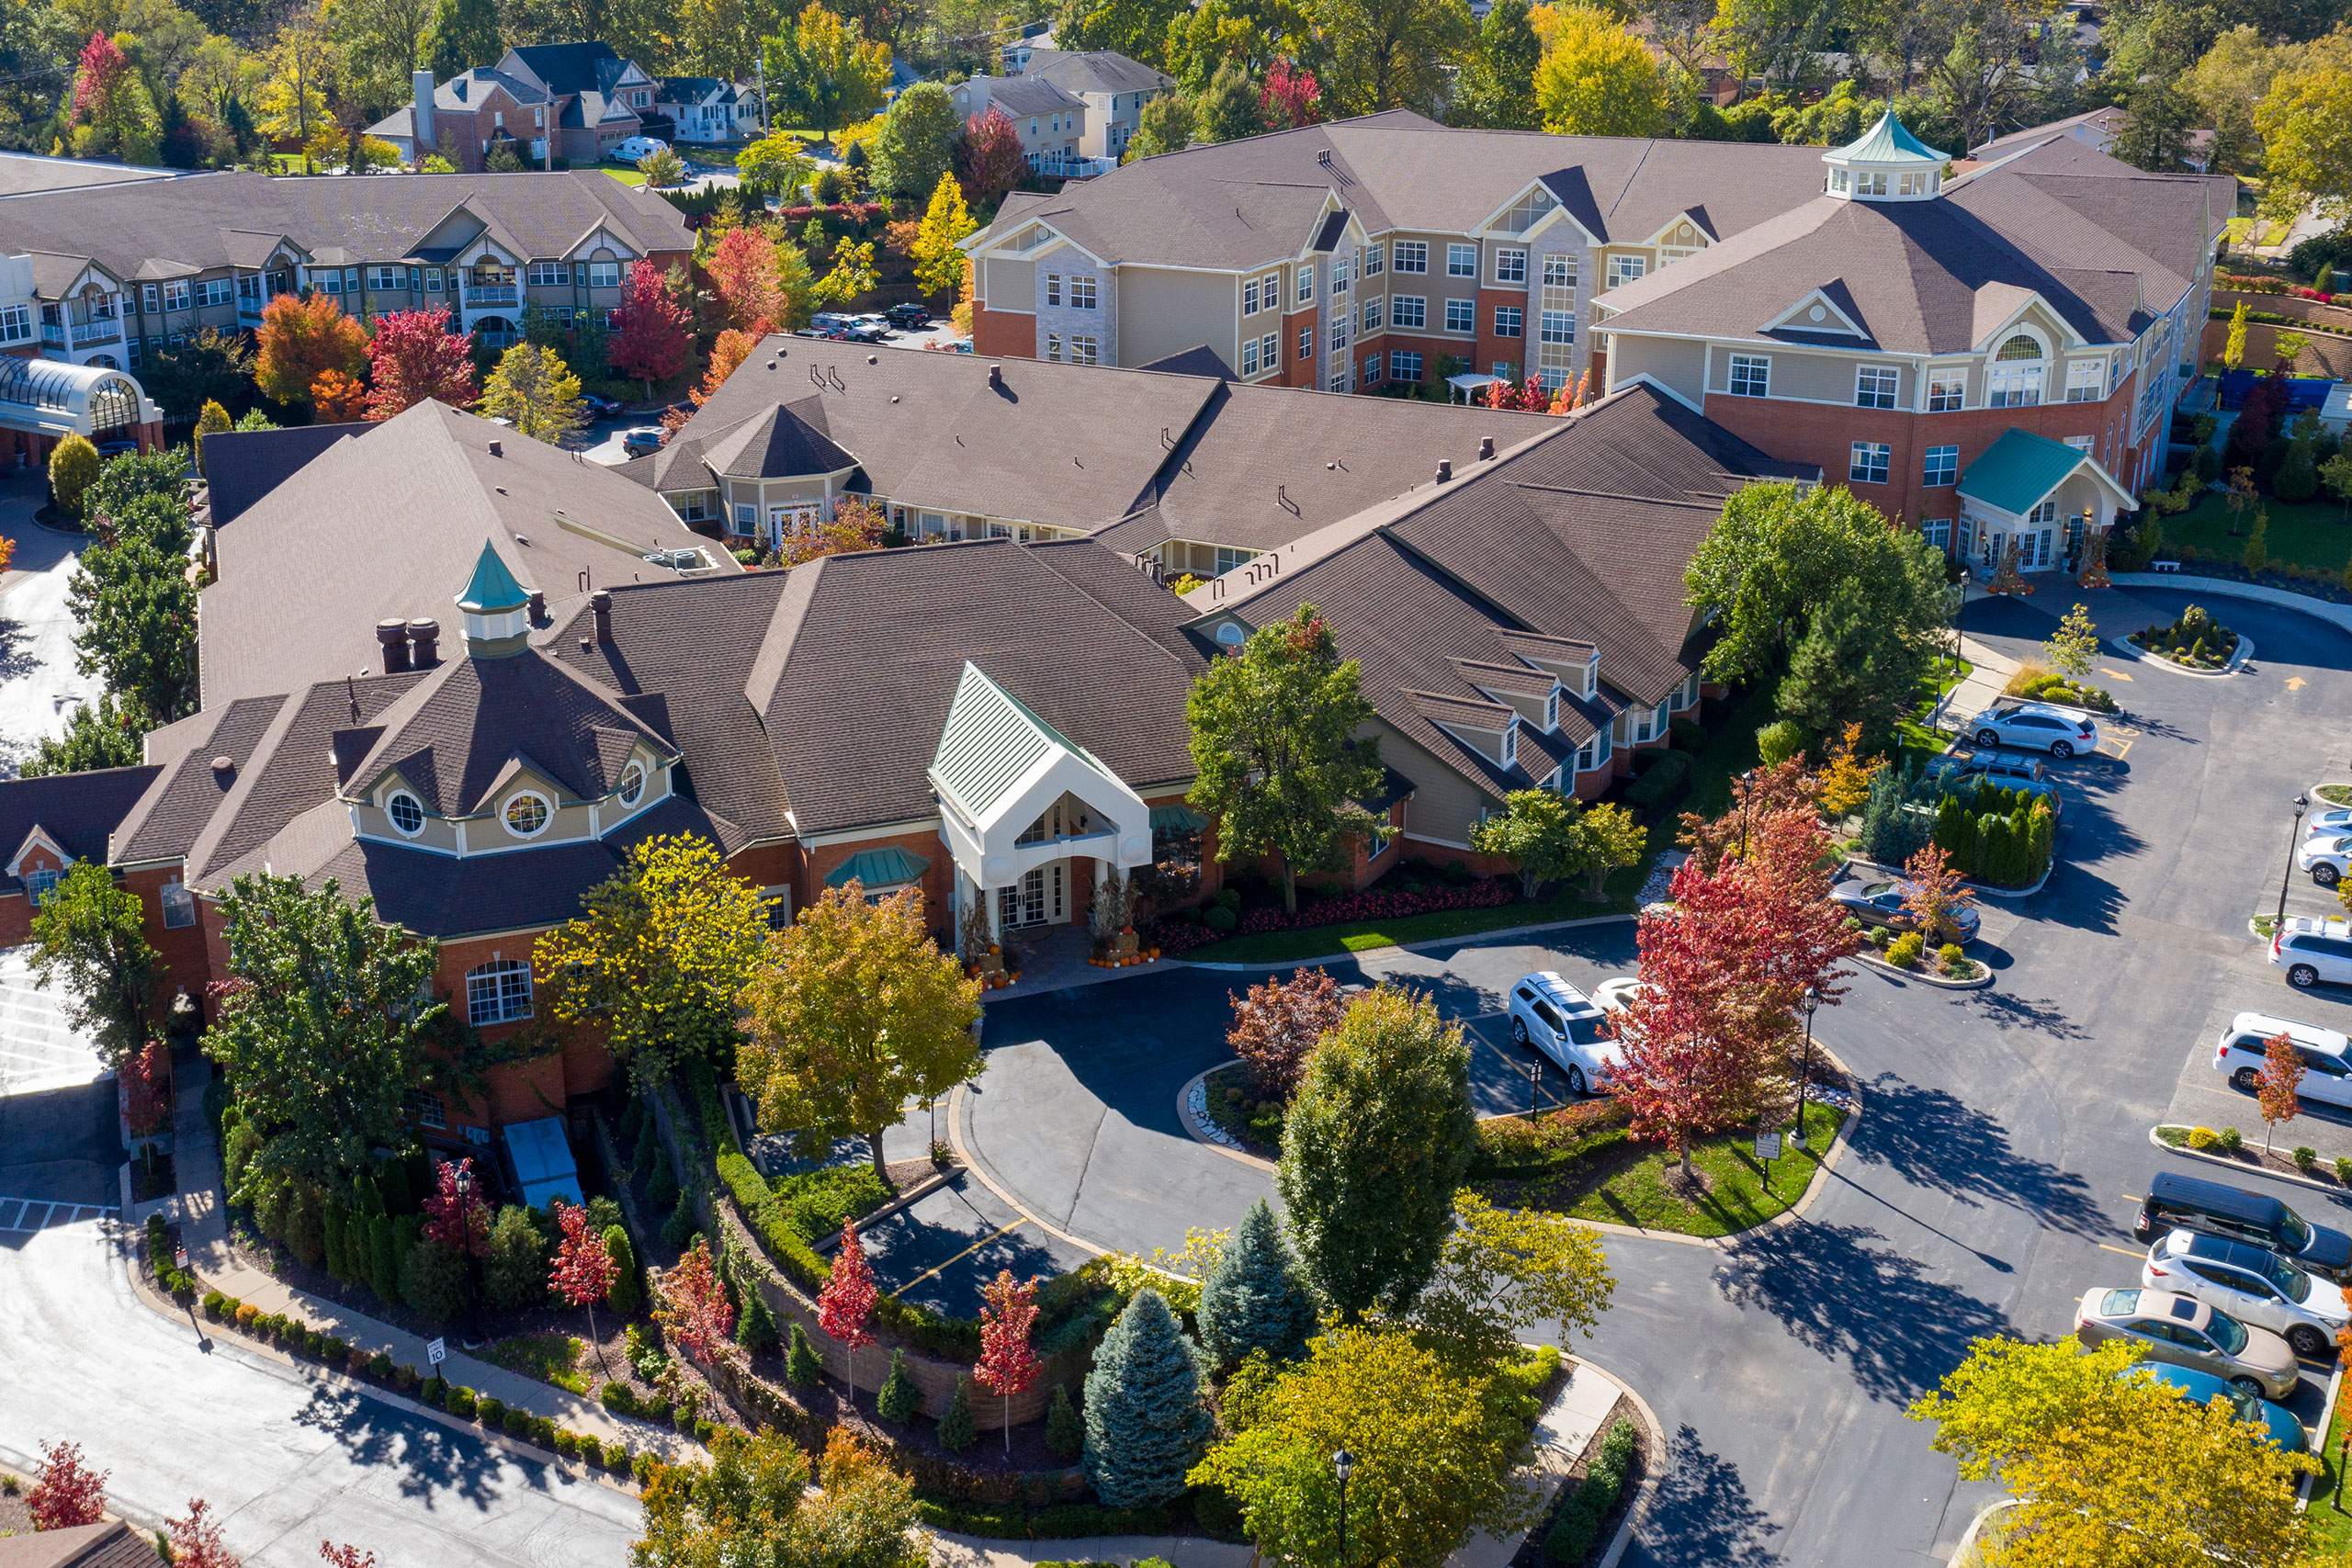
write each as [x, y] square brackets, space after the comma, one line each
[1882, 904]
[907, 318]
[598, 406]
[2187, 1203]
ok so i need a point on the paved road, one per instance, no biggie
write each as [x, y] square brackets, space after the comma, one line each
[284, 1462]
[39, 1049]
[1991, 1183]
[39, 687]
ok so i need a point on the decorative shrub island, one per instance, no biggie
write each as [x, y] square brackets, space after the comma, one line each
[2193, 642]
[2049, 688]
[1997, 836]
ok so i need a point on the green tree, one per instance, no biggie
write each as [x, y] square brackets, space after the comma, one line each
[658, 957]
[1137, 28]
[2234, 347]
[432, 1281]
[824, 73]
[663, 168]
[2302, 121]
[73, 464]
[775, 165]
[104, 734]
[1146, 1425]
[210, 421]
[1388, 54]
[956, 1432]
[852, 1012]
[1540, 830]
[514, 1269]
[535, 388]
[916, 146]
[2096, 1458]
[2158, 120]
[384, 1257]
[627, 1293]
[1435, 1453]
[90, 935]
[801, 1367]
[1597, 79]
[320, 1030]
[753, 1503]
[2256, 559]
[1374, 1147]
[1497, 86]
[1504, 1272]
[854, 272]
[1274, 745]
[198, 374]
[1064, 1433]
[1166, 125]
[2298, 477]
[1230, 106]
[2072, 649]
[898, 1400]
[2336, 475]
[463, 34]
[1847, 668]
[1253, 1300]
[132, 601]
[939, 262]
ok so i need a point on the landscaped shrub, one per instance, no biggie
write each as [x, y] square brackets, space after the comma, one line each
[379, 1366]
[435, 1391]
[2344, 1169]
[801, 1368]
[2232, 1140]
[2306, 1158]
[1658, 781]
[1218, 918]
[212, 1299]
[514, 1269]
[1686, 735]
[619, 1397]
[432, 1281]
[1903, 951]
[1955, 962]
[1146, 1423]
[661, 1190]
[1065, 1433]
[617, 1459]
[956, 1432]
[679, 1228]
[1779, 741]
[591, 1452]
[2201, 1138]
[489, 1410]
[1575, 1529]
[627, 1293]
[898, 1399]
[567, 1443]
[245, 1315]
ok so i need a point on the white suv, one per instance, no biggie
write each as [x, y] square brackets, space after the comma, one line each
[2327, 1056]
[2327, 857]
[2250, 1283]
[2035, 725]
[1553, 1017]
[2309, 957]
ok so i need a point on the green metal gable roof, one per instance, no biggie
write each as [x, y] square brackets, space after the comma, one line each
[990, 739]
[887, 867]
[494, 587]
[2020, 469]
[1885, 142]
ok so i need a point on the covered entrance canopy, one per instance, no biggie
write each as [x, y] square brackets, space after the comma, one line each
[1018, 800]
[2043, 494]
[52, 399]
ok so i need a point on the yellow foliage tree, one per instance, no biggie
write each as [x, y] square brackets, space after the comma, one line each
[853, 272]
[939, 262]
[1596, 78]
[2305, 121]
[1844, 779]
[2112, 1468]
[533, 386]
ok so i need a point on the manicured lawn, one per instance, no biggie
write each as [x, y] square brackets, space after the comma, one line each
[2331, 1529]
[550, 1358]
[2314, 533]
[1626, 1184]
[627, 176]
[2336, 795]
[1916, 733]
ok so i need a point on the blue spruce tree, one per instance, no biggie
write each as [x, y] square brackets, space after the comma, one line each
[1145, 1425]
[1252, 1299]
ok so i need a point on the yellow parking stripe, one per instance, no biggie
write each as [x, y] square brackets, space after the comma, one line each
[961, 1256]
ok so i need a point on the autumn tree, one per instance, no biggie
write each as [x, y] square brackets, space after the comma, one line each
[534, 387]
[775, 165]
[1276, 1025]
[583, 1269]
[457, 1215]
[413, 356]
[656, 960]
[824, 72]
[1504, 1272]
[853, 1011]
[300, 69]
[752, 1503]
[197, 1541]
[1844, 782]
[113, 110]
[145, 1106]
[89, 936]
[2095, 1458]
[210, 421]
[1290, 96]
[856, 524]
[299, 338]
[336, 398]
[655, 331]
[742, 271]
[1596, 78]
[1754, 793]
[845, 1305]
[1273, 735]
[67, 1494]
[2276, 1083]
[1935, 894]
[1008, 1363]
[988, 157]
[939, 261]
[696, 1313]
[854, 272]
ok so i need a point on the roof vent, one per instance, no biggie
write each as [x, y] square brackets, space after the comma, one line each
[771, 363]
[996, 376]
[874, 359]
[601, 602]
[424, 642]
[1324, 157]
[224, 764]
[498, 448]
[1444, 469]
[1485, 447]
[393, 634]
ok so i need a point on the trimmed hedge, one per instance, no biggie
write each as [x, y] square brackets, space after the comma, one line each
[1575, 1530]
[1658, 781]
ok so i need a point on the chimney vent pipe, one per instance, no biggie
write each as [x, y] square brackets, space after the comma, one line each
[601, 602]
[1485, 447]
[1444, 469]
[424, 642]
[393, 635]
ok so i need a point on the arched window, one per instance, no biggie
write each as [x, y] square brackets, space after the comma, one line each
[525, 813]
[498, 992]
[114, 404]
[2017, 377]
[2020, 347]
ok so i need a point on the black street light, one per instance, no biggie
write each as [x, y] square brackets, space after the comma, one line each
[1960, 619]
[2278, 924]
[1806, 1005]
[1343, 1464]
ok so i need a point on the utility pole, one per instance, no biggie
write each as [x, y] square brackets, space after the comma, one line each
[760, 85]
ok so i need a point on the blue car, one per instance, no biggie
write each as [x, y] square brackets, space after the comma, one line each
[2202, 1387]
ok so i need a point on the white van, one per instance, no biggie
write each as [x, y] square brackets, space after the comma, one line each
[635, 148]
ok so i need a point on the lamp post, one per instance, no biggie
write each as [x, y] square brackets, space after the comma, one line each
[2294, 836]
[1960, 619]
[1343, 1464]
[465, 1218]
[1806, 1005]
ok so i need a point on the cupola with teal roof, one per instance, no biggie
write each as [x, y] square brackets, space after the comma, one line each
[496, 608]
[1887, 163]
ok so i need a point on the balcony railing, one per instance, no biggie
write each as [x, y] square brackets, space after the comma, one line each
[1069, 166]
[494, 294]
[88, 333]
[53, 333]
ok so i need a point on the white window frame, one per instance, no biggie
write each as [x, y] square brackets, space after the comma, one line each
[179, 905]
[1876, 386]
[1085, 349]
[1248, 356]
[506, 809]
[498, 992]
[604, 275]
[1946, 392]
[1623, 270]
[1510, 266]
[1081, 291]
[1404, 360]
[1510, 321]
[1871, 463]
[1409, 311]
[392, 813]
[1306, 282]
[1411, 255]
[1462, 316]
[2085, 381]
[1374, 260]
[1372, 314]
[1941, 467]
[1461, 261]
[1751, 376]
[1559, 270]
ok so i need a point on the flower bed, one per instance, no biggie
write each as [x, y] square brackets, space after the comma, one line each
[2049, 688]
[2193, 642]
[2230, 1144]
[1486, 893]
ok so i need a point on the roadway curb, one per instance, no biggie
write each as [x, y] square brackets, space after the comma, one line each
[1346, 957]
[1199, 1135]
[2237, 660]
[980, 1173]
[1921, 975]
[2187, 1153]
[1968, 1536]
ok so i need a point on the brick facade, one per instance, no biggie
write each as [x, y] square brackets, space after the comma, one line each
[1003, 335]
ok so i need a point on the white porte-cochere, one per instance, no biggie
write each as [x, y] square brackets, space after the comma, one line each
[1019, 801]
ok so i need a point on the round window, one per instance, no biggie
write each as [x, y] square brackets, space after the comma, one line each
[406, 814]
[1232, 634]
[526, 814]
[632, 782]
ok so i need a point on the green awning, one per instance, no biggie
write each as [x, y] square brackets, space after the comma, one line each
[2019, 470]
[878, 868]
[1177, 818]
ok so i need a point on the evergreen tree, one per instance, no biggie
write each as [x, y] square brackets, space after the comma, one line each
[336, 1223]
[1954, 831]
[956, 1432]
[1252, 1299]
[801, 1368]
[1232, 107]
[514, 1269]
[1846, 670]
[383, 1258]
[1146, 1425]
[626, 1296]
[900, 1400]
[1064, 1433]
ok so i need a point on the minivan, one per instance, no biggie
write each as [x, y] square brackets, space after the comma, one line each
[2188, 1203]
[2309, 957]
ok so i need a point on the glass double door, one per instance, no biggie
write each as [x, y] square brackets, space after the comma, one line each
[1039, 899]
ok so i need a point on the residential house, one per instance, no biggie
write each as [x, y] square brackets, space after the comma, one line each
[1035, 35]
[574, 101]
[1994, 356]
[1398, 247]
[707, 110]
[1112, 87]
[2096, 129]
[1051, 121]
[600, 99]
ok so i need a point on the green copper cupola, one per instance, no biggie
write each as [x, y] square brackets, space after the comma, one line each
[496, 609]
[1886, 164]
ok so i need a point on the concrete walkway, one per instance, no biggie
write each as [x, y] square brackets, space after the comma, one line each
[1989, 670]
[203, 1231]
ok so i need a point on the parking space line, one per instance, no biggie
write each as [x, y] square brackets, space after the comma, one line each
[2124, 1250]
[968, 1252]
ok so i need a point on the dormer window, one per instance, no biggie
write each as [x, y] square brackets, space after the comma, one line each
[1510, 744]
[406, 813]
[1591, 678]
[526, 814]
[1551, 710]
[632, 784]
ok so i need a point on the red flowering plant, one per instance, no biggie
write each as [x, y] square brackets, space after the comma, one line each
[847, 1301]
[66, 1493]
[1008, 1364]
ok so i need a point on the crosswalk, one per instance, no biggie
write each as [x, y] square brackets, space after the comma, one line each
[40, 1214]
[38, 1050]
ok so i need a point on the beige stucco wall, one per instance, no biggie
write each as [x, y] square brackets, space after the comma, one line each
[1163, 312]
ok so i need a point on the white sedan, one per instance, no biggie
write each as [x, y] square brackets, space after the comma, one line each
[1553, 1017]
[2034, 726]
[2251, 1283]
[2334, 822]
[2329, 860]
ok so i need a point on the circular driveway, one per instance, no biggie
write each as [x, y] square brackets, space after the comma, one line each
[1992, 1182]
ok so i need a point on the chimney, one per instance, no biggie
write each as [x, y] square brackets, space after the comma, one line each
[1444, 469]
[996, 377]
[423, 640]
[601, 602]
[421, 86]
[1485, 448]
[498, 448]
[394, 633]
[538, 607]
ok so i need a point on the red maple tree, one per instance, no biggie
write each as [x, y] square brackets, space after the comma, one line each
[67, 1493]
[412, 357]
[346, 1555]
[1291, 97]
[847, 1299]
[455, 1214]
[145, 1089]
[1276, 1026]
[698, 1315]
[1785, 873]
[96, 76]
[1007, 1365]
[742, 272]
[196, 1541]
[584, 1271]
[1528, 396]
[655, 331]
[989, 158]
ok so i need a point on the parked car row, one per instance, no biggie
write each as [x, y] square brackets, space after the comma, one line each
[874, 326]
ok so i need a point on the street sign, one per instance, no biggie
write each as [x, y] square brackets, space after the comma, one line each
[435, 1352]
[1767, 1146]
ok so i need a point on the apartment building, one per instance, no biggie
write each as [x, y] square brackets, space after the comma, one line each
[1354, 254]
[1993, 354]
[1112, 87]
[1050, 122]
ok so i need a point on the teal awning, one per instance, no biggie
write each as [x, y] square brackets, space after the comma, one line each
[2016, 472]
[878, 868]
[1177, 818]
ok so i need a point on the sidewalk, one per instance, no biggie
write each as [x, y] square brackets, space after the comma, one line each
[1989, 671]
[203, 1231]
